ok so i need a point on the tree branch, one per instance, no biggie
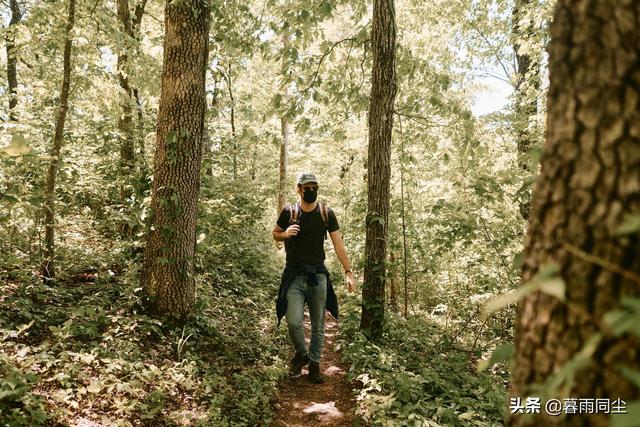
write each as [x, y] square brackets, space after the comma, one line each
[492, 48]
[424, 121]
[614, 268]
[327, 53]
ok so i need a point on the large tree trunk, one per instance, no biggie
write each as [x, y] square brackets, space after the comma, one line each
[590, 182]
[48, 271]
[525, 105]
[12, 59]
[168, 273]
[383, 92]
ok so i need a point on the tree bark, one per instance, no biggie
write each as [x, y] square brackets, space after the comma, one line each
[234, 141]
[590, 182]
[284, 144]
[405, 252]
[168, 271]
[528, 76]
[213, 110]
[383, 92]
[393, 289]
[12, 59]
[144, 166]
[125, 121]
[48, 271]
[130, 26]
[282, 172]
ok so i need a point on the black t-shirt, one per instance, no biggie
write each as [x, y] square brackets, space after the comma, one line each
[308, 246]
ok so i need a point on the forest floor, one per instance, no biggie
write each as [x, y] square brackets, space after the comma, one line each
[301, 403]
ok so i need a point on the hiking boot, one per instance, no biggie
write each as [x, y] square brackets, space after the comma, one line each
[297, 363]
[314, 373]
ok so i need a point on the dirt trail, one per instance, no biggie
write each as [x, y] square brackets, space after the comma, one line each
[301, 403]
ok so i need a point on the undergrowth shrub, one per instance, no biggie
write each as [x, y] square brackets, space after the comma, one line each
[411, 377]
[84, 349]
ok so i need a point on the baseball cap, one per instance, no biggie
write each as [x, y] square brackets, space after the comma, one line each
[306, 177]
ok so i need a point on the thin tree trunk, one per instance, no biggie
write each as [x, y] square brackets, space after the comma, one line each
[48, 271]
[383, 91]
[138, 14]
[404, 229]
[393, 289]
[234, 142]
[284, 144]
[12, 59]
[142, 163]
[525, 105]
[282, 175]
[142, 154]
[168, 272]
[125, 121]
[590, 183]
[208, 148]
[254, 162]
[130, 27]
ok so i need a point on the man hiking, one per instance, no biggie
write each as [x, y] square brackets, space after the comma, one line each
[303, 228]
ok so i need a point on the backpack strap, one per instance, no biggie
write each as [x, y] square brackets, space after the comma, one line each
[294, 213]
[324, 213]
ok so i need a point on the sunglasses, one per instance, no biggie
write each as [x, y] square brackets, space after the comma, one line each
[306, 188]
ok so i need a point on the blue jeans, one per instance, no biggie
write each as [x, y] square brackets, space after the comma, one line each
[316, 297]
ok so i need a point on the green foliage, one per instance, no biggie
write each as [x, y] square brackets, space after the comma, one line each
[88, 344]
[411, 378]
[500, 354]
[19, 406]
[631, 225]
[90, 341]
[547, 280]
[626, 319]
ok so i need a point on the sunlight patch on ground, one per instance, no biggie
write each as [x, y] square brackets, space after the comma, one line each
[85, 422]
[332, 371]
[325, 411]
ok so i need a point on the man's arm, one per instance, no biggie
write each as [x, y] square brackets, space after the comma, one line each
[341, 253]
[281, 235]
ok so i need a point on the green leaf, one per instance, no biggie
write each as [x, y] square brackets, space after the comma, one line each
[626, 319]
[18, 146]
[10, 197]
[363, 34]
[630, 419]
[630, 225]
[325, 9]
[95, 387]
[516, 262]
[565, 377]
[547, 280]
[631, 374]
[500, 354]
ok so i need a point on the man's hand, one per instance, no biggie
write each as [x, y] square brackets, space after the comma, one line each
[292, 230]
[351, 282]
